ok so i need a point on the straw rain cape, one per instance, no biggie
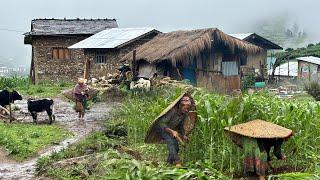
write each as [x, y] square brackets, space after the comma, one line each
[152, 136]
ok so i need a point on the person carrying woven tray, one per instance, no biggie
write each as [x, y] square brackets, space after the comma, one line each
[81, 94]
[256, 138]
[173, 125]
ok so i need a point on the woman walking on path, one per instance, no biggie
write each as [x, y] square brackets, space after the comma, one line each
[81, 94]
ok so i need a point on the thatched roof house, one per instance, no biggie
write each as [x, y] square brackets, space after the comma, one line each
[185, 45]
[207, 57]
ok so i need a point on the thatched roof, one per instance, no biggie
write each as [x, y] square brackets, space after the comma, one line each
[185, 45]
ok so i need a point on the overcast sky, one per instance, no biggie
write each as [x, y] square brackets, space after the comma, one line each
[166, 15]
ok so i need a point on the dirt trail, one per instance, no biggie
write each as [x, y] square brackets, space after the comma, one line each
[66, 117]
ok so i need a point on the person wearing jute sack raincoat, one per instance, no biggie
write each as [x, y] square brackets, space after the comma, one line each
[256, 139]
[81, 94]
[173, 125]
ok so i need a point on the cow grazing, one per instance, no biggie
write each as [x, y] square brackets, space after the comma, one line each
[7, 97]
[35, 106]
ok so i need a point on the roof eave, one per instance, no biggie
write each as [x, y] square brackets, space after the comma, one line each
[270, 45]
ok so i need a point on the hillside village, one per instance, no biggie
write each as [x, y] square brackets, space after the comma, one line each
[103, 100]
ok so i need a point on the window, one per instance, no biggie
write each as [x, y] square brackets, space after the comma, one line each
[101, 57]
[230, 68]
[60, 53]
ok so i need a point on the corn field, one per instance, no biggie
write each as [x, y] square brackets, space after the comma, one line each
[208, 142]
[13, 82]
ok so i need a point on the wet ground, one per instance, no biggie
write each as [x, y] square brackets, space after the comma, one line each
[67, 118]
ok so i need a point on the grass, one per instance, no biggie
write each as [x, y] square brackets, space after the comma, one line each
[22, 141]
[109, 163]
[25, 87]
[114, 165]
[96, 141]
[210, 153]
[208, 142]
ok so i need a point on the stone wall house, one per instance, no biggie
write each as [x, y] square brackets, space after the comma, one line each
[50, 38]
[104, 50]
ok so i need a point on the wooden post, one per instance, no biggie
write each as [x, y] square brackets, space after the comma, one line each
[279, 73]
[134, 64]
[309, 71]
[86, 69]
[10, 115]
[32, 69]
[288, 69]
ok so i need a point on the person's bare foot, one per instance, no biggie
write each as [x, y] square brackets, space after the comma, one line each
[178, 165]
[261, 178]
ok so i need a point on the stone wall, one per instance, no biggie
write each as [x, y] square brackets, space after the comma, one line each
[55, 70]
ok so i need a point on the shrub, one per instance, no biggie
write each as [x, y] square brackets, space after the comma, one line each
[248, 81]
[310, 45]
[289, 49]
[313, 88]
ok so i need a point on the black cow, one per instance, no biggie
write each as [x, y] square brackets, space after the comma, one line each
[35, 106]
[7, 97]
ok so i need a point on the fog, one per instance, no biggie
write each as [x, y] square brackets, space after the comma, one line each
[231, 16]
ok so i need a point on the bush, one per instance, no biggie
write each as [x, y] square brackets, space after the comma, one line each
[310, 45]
[289, 49]
[248, 81]
[313, 88]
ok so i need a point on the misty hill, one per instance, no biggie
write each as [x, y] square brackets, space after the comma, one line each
[282, 30]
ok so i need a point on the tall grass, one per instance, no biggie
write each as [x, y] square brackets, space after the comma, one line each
[208, 142]
[13, 82]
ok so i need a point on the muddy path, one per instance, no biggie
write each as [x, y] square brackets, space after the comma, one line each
[67, 118]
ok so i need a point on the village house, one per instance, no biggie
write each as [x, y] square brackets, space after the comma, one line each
[300, 68]
[309, 67]
[256, 63]
[206, 57]
[103, 50]
[50, 38]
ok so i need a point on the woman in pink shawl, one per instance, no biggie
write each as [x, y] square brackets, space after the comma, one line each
[81, 94]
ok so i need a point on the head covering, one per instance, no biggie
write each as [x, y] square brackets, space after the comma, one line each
[259, 129]
[152, 135]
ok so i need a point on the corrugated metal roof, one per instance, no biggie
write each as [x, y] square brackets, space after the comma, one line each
[111, 38]
[282, 70]
[310, 59]
[241, 36]
[70, 26]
